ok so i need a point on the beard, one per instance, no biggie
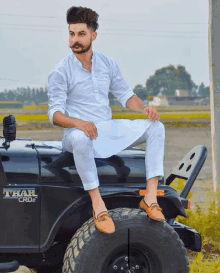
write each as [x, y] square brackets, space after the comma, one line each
[83, 48]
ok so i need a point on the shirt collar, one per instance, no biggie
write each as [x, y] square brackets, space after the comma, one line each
[78, 61]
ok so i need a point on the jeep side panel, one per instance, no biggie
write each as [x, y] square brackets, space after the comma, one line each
[19, 202]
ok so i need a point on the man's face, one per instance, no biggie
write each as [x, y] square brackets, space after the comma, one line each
[80, 38]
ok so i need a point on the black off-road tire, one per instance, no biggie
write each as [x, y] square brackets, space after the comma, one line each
[154, 247]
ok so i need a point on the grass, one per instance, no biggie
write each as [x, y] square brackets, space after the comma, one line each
[205, 218]
[121, 108]
[120, 115]
[173, 116]
[34, 117]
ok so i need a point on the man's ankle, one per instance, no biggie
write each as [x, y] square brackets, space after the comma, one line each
[99, 207]
[98, 202]
[150, 200]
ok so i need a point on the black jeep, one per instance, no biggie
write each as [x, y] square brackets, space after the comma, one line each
[46, 216]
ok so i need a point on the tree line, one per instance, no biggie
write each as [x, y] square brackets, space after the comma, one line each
[164, 82]
[25, 95]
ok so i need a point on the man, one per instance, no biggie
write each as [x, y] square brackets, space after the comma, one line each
[78, 100]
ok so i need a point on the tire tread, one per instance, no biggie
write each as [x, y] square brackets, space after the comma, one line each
[88, 231]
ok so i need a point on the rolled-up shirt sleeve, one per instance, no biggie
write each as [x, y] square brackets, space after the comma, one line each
[119, 86]
[57, 94]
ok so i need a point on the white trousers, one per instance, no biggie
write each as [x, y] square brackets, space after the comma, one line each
[77, 142]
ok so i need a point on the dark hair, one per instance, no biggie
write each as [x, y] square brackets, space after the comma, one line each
[82, 15]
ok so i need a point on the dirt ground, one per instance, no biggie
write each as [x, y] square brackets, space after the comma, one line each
[179, 141]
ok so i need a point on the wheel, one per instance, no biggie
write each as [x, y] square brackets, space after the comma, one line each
[138, 245]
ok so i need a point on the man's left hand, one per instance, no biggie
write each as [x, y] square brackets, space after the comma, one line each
[151, 111]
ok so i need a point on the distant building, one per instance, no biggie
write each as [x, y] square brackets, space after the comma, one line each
[182, 97]
[172, 100]
[159, 101]
[188, 100]
[181, 93]
[205, 101]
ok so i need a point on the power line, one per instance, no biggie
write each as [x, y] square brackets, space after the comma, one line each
[45, 30]
[164, 23]
[27, 25]
[6, 79]
[122, 34]
[40, 16]
[151, 30]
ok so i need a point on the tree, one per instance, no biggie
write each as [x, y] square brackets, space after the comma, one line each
[167, 79]
[141, 91]
[25, 95]
[201, 89]
[185, 81]
[45, 97]
[194, 91]
[10, 95]
[206, 92]
[2, 95]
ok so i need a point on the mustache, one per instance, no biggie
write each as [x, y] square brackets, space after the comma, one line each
[76, 44]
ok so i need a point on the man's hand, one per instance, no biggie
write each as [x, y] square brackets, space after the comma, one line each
[88, 127]
[151, 111]
[135, 104]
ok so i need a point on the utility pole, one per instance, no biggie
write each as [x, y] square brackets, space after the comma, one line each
[214, 70]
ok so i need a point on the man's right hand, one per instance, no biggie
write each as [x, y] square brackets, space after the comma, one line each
[88, 127]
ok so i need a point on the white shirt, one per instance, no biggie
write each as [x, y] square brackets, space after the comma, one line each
[75, 92]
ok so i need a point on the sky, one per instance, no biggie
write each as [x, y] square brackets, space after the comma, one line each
[141, 36]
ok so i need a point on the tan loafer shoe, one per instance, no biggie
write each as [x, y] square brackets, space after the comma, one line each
[154, 211]
[104, 222]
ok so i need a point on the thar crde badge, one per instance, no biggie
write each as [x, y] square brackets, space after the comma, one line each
[22, 194]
